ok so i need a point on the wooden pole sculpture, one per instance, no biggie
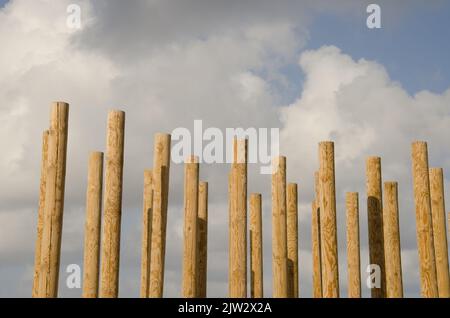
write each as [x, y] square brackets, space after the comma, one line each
[315, 239]
[375, 221]
[279, 228]
[146, 233]
[394, 284]
[202, 238]
[424, 227]
[190, 252]
[238, 221]
[292, 240]
[328, 235]
[256, 246]
[353, 245]
[161, 167]
[40, 220]
[93, 225]
[112, 205]
[54, 201]
[439, 231]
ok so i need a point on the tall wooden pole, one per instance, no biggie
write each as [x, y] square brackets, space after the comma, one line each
[256, 246]
[375, 221]
[424, 227]
[292, 240]
[112, 205]
[146, 233]
[315, 239]
[279, 228]
[439, 231]
[394, 284]
[238, 221]
[328, 229]
[54, 200]
[40, 220]
[190, 252]
[93, 226]
[353, 245]
[161, 167]
[202, 239]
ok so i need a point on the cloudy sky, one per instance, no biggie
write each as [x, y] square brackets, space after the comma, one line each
[310, 68]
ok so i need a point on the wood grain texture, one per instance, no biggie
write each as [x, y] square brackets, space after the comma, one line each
[202, 239]
[315, 240]
[394, 283]
[439, 231]
[54, 201]
[237, 275]
[161, 167]
[279, 228]
[256, 247]
[190, 251]
[328, 229]
[375, 221]
[292, 240]
[353, 245]
[40, 219]
[93, 226]
[315, 243]
[110, 258]
[146, 248]
[424, 227]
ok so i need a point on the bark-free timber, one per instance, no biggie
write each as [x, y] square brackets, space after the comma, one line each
[54, 200]
[202, 239]
[353, 245]
[256, 246]
[279, 228]
[393, 265]
[93, 226]
[112, 205]
[424, 227]
[146, 233]
[315, 241]
[292, 240]
[328, 229]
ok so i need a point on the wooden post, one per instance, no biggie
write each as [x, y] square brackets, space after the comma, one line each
[328, 230]
[202, 239]
[315, 239]
[439, 231]
[424, 227]
[256, 246]
[375, 221]
[161, 167]
[54, 201]
[279, 228]
[394, 284]
[93, 226]
[292, 240]
[146, 233]
[112, 205]
[190, 252]
[353, 249]
[238, 221]
[40, 220]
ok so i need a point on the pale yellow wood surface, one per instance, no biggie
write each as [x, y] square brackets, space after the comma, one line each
[202, 239]
[424, 227]
[110, 253]
[394, 283]
[93, 226]
[292, 240]
[279, 228]
[146, 247]
[353, 245]
[315, 240]
[256, 247]
[328, 229]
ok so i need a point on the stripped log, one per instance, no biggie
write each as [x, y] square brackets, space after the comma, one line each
[112, 205]
[202, 239]
[146, 249]
[424, 227]
[315, 239]
[353, 245]
[93, 226]
[256, 246]
[328, 229]
[292, 240]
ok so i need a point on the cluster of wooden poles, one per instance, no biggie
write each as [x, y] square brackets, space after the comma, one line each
[102, 251]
